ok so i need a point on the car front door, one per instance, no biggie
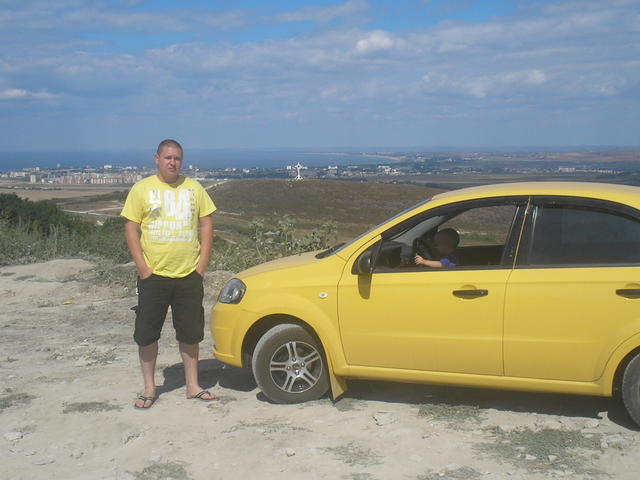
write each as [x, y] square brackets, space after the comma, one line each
[573, 296]
[434, 319]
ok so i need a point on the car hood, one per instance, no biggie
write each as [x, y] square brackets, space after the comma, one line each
[293, 261]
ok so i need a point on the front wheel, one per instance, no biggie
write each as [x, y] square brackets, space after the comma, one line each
[631, 388]
[289, 365]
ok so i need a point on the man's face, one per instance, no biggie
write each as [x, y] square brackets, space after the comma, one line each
[169, 162]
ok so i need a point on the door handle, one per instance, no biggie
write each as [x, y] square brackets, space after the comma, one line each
[628, 292]
[470, 293]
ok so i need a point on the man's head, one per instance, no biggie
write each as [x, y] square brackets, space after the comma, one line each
[169, 160]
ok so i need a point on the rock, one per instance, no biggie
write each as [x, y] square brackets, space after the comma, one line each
[530, 457]
[13, 436]
[44, 461]
[76, 453]
[155, 458]
[592, 423]
[506, 428]
[129, 436]
[552, 458]
[551, 425]
[290, 452]
[82, 362]
[613, 441]
[383, 418]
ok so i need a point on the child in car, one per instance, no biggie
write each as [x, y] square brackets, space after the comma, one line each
[442, 245]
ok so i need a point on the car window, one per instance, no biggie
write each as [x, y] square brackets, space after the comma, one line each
[583, 235]
[483, 232]
[483, 226]
[339, 248]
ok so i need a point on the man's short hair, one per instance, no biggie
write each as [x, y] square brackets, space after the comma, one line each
[168, 143]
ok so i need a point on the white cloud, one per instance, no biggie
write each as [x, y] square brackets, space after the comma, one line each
[545, 59]
[19, 93]
[324, 15]
[13, 93]
[375, 41]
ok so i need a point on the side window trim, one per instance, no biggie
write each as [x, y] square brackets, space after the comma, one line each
[521, 202]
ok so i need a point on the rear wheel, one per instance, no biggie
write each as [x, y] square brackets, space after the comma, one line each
[289, 365]
[631, 388]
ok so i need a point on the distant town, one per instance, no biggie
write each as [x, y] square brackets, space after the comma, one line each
[385, 166]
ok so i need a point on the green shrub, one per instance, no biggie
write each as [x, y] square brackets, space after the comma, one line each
[29, 233]
[266, 244]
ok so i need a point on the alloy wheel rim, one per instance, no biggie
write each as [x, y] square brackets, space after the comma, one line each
[295, 367]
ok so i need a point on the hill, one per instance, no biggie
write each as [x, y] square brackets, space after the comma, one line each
[353, 206]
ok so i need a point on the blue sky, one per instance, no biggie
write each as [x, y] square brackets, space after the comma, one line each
[123, 74]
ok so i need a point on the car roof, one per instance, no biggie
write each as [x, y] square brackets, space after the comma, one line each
[625, 194]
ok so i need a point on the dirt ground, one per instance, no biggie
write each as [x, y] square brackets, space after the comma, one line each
[69, 376]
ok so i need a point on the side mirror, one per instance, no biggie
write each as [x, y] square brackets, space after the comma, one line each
[364, 264]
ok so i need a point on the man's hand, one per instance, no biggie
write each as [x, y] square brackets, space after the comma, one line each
[145, 272]
[201, 269]
[206, 242]
[132, 234]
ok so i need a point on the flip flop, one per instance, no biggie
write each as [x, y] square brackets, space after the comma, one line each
[144, 402]
[199, 395]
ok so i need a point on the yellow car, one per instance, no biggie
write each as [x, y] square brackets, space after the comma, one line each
[525, 286]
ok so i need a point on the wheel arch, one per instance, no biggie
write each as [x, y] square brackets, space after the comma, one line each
[260, 327]
[616, 387]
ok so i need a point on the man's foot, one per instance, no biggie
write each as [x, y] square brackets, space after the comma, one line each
[204, 395]
[143, 402]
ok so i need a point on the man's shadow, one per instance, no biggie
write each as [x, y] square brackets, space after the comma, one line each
[211, 372]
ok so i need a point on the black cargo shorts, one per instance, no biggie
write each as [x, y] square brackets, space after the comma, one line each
[184, 295]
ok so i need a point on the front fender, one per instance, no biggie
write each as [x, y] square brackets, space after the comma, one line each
[318, 312]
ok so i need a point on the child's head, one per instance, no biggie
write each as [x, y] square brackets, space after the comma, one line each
[446, 240]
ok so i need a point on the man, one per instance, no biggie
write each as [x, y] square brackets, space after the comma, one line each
[164, 213]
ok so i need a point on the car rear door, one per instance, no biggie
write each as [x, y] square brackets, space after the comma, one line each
[575, 292]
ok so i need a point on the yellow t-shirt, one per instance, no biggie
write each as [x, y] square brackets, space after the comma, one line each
[169, 216]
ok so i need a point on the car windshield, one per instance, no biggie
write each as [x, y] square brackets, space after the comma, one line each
[338, 248]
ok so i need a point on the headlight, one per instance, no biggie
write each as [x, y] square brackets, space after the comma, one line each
[232, 292]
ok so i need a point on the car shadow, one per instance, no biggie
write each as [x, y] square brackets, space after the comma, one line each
[575, 406]
[211, 372]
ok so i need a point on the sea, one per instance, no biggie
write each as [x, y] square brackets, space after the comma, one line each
[202, 159]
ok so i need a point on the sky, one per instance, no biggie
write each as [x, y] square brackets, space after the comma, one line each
[124, 74]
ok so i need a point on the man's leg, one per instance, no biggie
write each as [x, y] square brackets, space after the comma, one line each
[189, 354]
[188, 320]
[153, 301]
[148, 356]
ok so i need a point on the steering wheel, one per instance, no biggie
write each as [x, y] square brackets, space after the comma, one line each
[421, 247]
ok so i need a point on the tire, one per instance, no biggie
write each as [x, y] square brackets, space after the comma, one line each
[289, 365]
[631, 388]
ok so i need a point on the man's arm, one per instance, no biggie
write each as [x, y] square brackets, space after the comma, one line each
[132, 234]
[206, 242]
